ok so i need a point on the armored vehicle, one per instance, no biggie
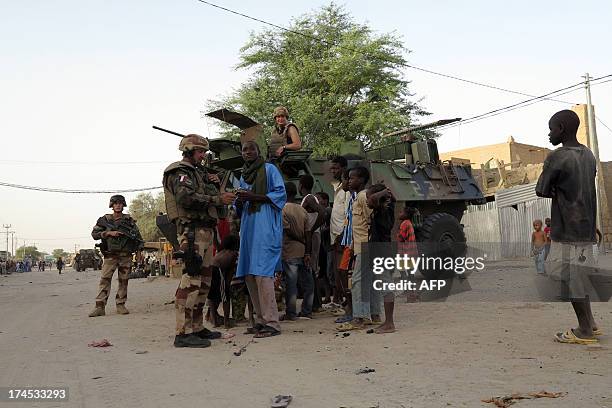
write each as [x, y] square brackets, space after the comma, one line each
[410, 168]
[88, 258]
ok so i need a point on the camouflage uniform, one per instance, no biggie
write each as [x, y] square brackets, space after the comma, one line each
[117, 255]
[193, 204]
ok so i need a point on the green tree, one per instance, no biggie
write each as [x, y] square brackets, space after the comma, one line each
[59, 253]
[24, 251]
[339, 80]
[144, 208]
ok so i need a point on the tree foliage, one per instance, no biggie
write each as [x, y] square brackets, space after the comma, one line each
[144, 208]
[25, 251]
[339, 80]
[57, 253]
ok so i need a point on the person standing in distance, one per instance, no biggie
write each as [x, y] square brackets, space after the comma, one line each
[117, 248]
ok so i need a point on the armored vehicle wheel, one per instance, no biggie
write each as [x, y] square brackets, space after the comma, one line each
[440, 236]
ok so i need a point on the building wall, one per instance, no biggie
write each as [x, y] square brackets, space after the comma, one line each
[507, 152]
[607, 216]
[481, 154]
[583, 130]
[528, 154]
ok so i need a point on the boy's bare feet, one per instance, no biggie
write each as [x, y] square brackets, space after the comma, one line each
[385, 328]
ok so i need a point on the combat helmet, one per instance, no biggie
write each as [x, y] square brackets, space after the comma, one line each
[281, 111]
[117, 198]
[192, 142]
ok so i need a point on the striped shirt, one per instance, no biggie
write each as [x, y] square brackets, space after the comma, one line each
[347, 233]
[406, 240]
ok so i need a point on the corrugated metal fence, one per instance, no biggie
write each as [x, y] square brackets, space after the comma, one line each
[503, 228]
[481, 227]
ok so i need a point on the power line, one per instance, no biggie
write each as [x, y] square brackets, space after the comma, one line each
[415, 67]
[604, 125]
[521, 104]
[71, 191]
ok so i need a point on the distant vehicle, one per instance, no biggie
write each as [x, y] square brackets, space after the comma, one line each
[87, 258]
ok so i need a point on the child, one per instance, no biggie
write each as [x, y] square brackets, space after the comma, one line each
[345, 241]
[547, 232]
[382, 202]
[366, 301]
[538, 243]
[224, 266]
[406, 244]
[568, 177]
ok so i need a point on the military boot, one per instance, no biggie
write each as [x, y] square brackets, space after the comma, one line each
[121, 309]
[207, 334]
[190, 340]
[98, 311]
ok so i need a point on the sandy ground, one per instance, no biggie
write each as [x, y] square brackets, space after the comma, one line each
[453, 353]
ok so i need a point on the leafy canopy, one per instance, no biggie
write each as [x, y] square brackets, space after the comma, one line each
[144, 208]
[339, 80]
[57, 253]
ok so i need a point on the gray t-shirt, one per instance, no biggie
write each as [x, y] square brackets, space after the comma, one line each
[568, 178]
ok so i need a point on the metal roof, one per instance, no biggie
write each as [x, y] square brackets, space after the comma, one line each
[514, 195]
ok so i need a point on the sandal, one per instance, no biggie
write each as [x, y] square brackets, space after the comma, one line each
[266, 331]
[344, 319]
[255, 329]
[569, 337]
[344, 327]
[598, 332]
[281, 401]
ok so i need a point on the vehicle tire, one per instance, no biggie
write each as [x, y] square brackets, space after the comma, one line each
[440, 236]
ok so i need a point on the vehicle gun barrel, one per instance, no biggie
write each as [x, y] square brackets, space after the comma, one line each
[168, 131]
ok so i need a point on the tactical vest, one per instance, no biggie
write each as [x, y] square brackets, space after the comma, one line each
[279, 139]
[120, 244]
[200, 178]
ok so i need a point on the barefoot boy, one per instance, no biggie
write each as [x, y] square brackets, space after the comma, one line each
[538, 243]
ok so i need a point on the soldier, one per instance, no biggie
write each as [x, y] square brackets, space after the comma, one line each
[193, 203]
[120, 239]
[285, 135]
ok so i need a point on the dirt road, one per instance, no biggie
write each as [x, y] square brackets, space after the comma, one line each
[444, 354]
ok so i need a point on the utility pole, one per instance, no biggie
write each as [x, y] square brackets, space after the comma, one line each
[594, 146]
[7, 234]
[13, 243]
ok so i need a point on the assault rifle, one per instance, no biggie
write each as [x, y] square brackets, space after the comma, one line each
[127, 230]
[192, 260]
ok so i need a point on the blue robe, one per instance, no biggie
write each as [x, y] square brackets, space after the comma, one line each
[261, 233]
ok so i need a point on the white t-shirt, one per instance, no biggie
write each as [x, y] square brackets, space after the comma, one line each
[338, 214]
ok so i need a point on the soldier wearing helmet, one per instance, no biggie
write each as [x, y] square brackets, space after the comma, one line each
[120, 239]
[285, 135]
[193, 203]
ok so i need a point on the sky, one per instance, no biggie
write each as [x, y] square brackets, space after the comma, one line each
[82, 82]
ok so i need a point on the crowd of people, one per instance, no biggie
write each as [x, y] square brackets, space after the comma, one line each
[254, 251]
[26, 265]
